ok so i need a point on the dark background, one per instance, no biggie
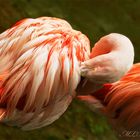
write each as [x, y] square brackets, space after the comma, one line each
[94, 18]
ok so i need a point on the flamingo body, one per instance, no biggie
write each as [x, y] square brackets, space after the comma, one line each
[39, 70]
[119, 101]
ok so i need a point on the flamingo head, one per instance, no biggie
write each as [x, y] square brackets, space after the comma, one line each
[111, 57]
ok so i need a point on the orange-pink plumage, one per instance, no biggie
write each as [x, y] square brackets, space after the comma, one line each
[39, 70]
[120, 101]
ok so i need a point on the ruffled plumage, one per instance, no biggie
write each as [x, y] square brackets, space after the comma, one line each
[123, 100]
[39, 70]
[119, 101]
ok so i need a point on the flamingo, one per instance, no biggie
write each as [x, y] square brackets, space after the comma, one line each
[119, 100]
[39, 70]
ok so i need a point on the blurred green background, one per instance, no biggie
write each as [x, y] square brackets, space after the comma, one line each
[94, 18]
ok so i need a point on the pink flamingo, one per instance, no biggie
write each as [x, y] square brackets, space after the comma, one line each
[39, 70]
[119, 100]
[120, 103]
